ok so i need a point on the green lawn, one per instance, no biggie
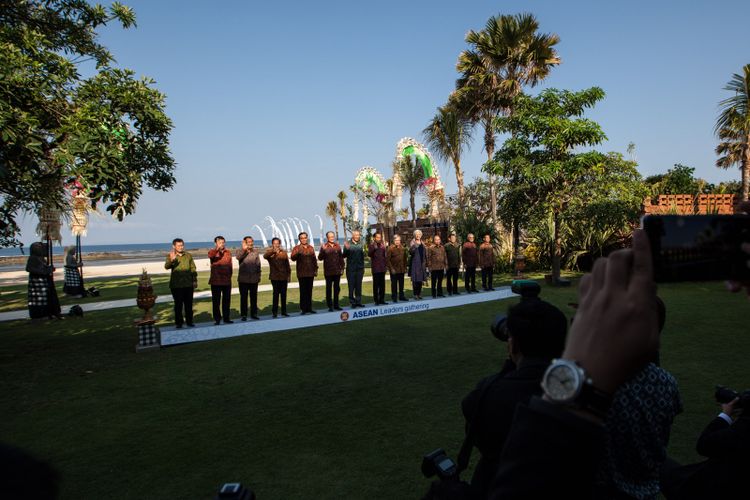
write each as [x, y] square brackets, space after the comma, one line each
[343, 411]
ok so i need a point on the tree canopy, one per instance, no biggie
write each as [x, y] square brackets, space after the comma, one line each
[543, 151]
[107, 131]
[733, 128]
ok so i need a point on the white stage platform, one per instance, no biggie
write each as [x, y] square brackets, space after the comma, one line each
[209, 331]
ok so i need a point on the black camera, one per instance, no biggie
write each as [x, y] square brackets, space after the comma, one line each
[528, 290]
[234, 491]
[437, 463]
[726, 395]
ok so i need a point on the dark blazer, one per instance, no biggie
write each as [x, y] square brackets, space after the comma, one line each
[722, 475]
[494, 414]
[549, 453]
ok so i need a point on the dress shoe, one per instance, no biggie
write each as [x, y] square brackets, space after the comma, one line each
[337, 308]
[217, 323]
[191, 325]
[285, 315]
[275, 316]
[403, 299]
[490, 289]
[244, 318]
[384, 303]
[178, 326]
[303, 313]
[312, 311]
[228, 321]
[330, 309]
[254, 316]
[441, 295]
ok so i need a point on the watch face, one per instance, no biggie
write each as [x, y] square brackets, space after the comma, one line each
[562, 383]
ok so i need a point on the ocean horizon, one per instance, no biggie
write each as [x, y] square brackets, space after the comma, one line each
[133, 249]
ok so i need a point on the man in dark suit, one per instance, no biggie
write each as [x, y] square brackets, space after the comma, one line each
[536, 334]
[725, 442]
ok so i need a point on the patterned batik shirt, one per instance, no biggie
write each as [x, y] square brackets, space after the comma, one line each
[638, 426]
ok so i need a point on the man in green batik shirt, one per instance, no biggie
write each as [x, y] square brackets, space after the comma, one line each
[182, 282]
[355, 268]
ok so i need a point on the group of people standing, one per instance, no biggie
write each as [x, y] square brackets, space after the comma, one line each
[419, 261]
[43, 301]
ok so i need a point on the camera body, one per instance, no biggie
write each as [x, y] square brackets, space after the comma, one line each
[726, 395]
[528, 290]
[234, 491]
[437, 463]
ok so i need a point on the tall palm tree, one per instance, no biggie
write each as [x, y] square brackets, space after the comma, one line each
[342, 209]
[448, 134]
[332, 210]
[412, 178]
[506, 55]
[733, 128]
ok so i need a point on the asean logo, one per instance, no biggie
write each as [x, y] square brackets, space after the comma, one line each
[344, 316]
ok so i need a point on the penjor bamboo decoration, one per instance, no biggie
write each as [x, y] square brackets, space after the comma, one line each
[79, 216]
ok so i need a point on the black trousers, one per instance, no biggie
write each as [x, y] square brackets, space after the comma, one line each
[305, 293]
[451, 280]
[221, 295]
[470, 279]
[378, 287]
[417, 286]
[279, 291]
[252, 290]
[486, 278]
[354, 281]
[397, 287]
[333, 288]
[183, 300]
[436, 282]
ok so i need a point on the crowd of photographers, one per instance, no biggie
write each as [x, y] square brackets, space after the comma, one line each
[588, 414]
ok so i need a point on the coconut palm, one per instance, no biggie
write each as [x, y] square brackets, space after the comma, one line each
[412, 178]
[506, 55]
[332, 210]
[733, 128]
[447, 134]
[342, 209]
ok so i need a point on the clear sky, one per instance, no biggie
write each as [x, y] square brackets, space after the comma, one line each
[277, 104]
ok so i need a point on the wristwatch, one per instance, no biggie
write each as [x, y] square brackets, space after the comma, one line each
[566, 383]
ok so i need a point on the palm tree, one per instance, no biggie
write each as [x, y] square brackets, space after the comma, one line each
[332, 210]
[447, 134]
[412, 178]
[342, 209]
[733, 128]
[506, 55]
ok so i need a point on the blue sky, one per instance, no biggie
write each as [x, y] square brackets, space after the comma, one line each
[277, 104]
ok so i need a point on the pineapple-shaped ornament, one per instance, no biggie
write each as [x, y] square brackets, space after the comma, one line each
[146, 297]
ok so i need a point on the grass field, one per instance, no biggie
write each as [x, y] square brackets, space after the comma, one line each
[343, 411]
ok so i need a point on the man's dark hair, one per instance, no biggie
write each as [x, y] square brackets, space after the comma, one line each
[537, 328]
[177, 240]
[300, 234]
[248, 238]
[219, 238]
[275, 239]
[329, 232]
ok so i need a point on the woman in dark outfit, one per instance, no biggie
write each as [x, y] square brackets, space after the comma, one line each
[43, 301]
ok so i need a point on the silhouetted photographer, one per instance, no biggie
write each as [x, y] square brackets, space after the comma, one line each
[725, 442]
[535, 334]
